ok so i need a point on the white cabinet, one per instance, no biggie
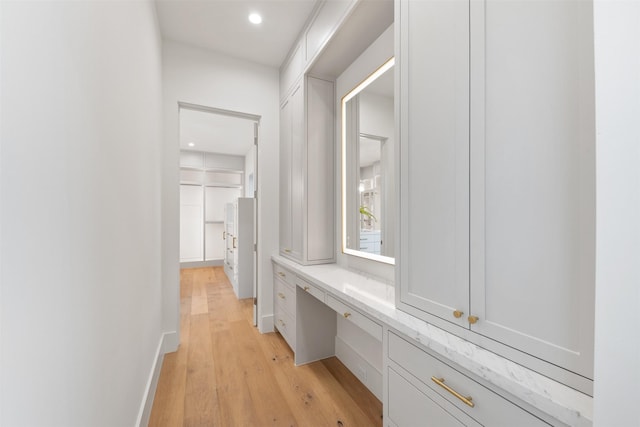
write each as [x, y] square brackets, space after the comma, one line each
[324, 22]
[284, 287]
[191, 224]
[206, 186]
[306, 173]
[497, 177]
[239, 237]
[370, 241]
[423, 387]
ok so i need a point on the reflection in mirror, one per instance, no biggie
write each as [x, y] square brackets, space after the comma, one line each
[368, 211]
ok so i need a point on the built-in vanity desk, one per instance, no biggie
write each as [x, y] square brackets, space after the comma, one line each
[426, 370]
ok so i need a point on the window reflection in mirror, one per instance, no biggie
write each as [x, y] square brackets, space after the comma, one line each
[368, 200]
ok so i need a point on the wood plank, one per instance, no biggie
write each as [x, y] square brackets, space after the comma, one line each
[297, 386]
[366, 401]
[199, 303]
[168, 405]
[200, 400]
[267, 398]
[236, 406]
[226, 373]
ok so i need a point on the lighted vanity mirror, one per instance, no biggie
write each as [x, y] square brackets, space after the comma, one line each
[368, 188]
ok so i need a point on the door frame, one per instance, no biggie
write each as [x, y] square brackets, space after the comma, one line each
[255, 118]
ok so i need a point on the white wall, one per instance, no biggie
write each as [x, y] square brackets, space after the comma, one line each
[617, 338]
[80, 211]
[206, 78]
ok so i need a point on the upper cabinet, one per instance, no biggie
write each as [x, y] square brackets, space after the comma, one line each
[325, 19]
[497, 177]
[306, 173]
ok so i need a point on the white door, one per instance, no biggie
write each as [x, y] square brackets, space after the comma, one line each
[434, 122]
[191, 223]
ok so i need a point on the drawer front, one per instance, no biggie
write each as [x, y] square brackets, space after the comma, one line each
[285, 296]
[489, 408]
[367, 246]
[356, 317]
[312, 289]
[408, 406]
[287, 327]
[284, 275]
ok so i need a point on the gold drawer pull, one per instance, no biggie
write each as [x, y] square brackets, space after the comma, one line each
[458, 314]
[281, 295]
[347, 314]
[472, 319]
[234, 243]
[306, 288]
[288, 251]
[466, 400]
[281, 322]
[281, 274]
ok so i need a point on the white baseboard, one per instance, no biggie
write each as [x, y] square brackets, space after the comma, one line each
[363, 370]
[152, 383]
[266, 324]
[202, 264]
[171, 341]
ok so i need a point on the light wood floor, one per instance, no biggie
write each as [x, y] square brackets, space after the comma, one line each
[226, 373]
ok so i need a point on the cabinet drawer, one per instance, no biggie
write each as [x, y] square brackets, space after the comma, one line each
[286, 324]
[356, 317]
[285, 296]
[312, 289]
[284, 275]
[489, 408]
[367, 246]
[408, 405]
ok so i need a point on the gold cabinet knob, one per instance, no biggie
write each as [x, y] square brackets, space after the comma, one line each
[457, 314]
[281, 274]
[472, 319]
[281, 295]
[347, 314]
[287, 251]
[306, 288]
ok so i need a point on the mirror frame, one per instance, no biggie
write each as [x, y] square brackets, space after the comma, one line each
[343, 114]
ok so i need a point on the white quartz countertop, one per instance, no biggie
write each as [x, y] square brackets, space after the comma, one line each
[377, 299]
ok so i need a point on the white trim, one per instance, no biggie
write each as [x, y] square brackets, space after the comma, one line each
[171, 342]
[150, 391]
[266, 324]
[220, 111]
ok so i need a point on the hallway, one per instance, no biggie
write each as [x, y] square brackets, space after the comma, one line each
[226, 373]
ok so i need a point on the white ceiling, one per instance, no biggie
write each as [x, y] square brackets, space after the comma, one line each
[223, 26]
[215, 133]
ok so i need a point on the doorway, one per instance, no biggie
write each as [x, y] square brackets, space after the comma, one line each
[218, 194]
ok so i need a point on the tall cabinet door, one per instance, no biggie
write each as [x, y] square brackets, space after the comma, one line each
[533, 177]
[434, 153]
[320, 158]
[191, 223]
[298, 156]
[285, 176]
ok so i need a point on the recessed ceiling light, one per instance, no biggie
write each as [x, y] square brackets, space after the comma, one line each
[254, 18]
[191, 144]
